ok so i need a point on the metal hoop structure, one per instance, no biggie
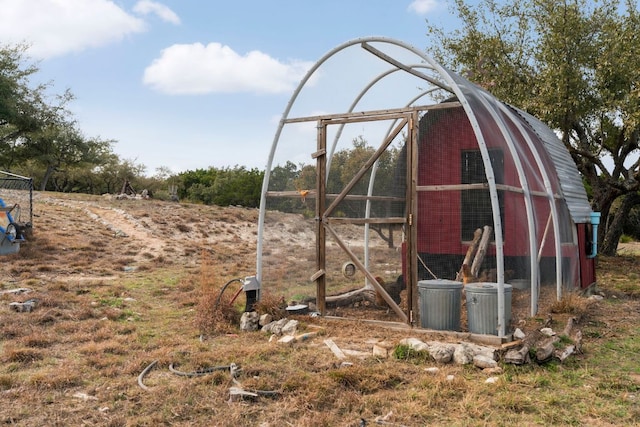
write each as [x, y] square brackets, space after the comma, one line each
[539, 176]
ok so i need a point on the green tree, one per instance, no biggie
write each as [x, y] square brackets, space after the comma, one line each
[113, 172]
[25, 110]
[39, 134]
[575, 64]
[19, 103]
[223, 187]
[283, 178]
[192, 183]
[62, 146]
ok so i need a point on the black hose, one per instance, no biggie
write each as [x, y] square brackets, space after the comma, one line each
[145, 372]
[234, 370]
[200, 372]
[224, 288]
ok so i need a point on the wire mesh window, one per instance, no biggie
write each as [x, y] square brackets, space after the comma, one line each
[476, 210]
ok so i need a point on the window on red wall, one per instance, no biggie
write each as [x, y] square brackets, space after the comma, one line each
[476, 203]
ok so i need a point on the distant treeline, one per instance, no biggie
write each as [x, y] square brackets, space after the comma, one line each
[223, 187]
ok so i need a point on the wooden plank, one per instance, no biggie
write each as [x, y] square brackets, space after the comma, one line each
[316, 275]
[492, 340]
[453, 187]
[482, 186]
[360, 221]
[321, 239]
[373, 115]
[412, 210]
[335, 349]
[318, 154]
[312, 194]
[369, 198]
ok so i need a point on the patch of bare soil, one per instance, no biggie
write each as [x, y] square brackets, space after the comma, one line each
[629, 248]
[117, 235]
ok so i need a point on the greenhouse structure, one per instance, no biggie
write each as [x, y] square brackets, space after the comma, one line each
[396, 188]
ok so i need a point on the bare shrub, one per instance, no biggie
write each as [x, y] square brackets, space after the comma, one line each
[183, 228]
[214, 314]
[37, 339]
[570, 303]
[7, 382]
[273, 305]
[22, 355]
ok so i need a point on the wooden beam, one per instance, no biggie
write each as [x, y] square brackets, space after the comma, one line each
[373, 115]
[317, 275]
[483, 186]
[321, 167]
[360, 221]
[312, 194]
[318, 154]
[412, 220]
[493, 340]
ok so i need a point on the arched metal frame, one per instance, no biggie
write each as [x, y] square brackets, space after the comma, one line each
[462, 89]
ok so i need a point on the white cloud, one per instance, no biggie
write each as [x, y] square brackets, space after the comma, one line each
[422, 7]
[214, 68]
[145, 7]
[53, 27]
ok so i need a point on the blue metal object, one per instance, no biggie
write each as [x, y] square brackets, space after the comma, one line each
[11, 234]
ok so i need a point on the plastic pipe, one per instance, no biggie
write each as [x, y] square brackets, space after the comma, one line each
[595, 221]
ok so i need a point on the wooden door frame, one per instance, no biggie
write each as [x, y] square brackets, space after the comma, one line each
[408, 118]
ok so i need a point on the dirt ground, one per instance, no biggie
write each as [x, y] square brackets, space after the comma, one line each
[140, 264]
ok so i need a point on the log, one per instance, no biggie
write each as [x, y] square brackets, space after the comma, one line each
[350, 298]
[517, 356]
[512, 344]
[563, 354]
[471, 251]
[346, 299]
[482, 250]
[547, 347]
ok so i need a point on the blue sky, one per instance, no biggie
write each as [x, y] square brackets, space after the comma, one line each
[191, 84]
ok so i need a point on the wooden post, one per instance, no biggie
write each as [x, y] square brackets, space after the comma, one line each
[470, 252]
[412, 220]
[321, 281]
[482, 250]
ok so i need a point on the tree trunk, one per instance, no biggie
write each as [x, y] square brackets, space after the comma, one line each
[388, 239]
[50, 170]
[603, 197]
[614, 230]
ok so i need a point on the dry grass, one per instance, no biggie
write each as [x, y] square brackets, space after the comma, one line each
[273, 305]
[215, 312]
[76, 358]
[571, 303]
